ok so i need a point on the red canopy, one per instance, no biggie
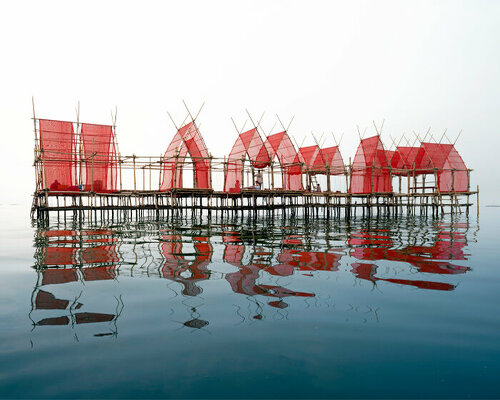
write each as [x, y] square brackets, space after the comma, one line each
[370, 168]
[248, 144]
[57, 144]
[187, 140]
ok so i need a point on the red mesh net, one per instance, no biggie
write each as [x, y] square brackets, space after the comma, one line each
[310, 157]
[332, 157]
[370, 169]
[100, 158]
[279, 145]
[452, 174]
[403, 160]
[187, 140]
[57, 144]
[249, 144]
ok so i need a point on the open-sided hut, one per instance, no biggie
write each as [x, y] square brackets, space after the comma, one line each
[187, 140]
[248, 145]
[444, 161]
[281, 147]
[370, 168]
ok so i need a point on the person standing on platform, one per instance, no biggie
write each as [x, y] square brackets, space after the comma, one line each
[259, 179]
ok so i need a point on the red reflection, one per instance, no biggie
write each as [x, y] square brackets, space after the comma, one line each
[368, 271]
[308, 260]
[99, 254]
[176, 267]
[99, 273]
[64, 320]
[59, 255]
[90, 318]
[47, 301]
[244, 281]
[55, 276]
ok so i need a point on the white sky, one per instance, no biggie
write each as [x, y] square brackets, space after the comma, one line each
[333, 65]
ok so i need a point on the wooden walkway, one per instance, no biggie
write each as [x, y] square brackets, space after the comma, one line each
[126, 204]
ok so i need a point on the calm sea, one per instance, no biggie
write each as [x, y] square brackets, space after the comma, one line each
[244, 308]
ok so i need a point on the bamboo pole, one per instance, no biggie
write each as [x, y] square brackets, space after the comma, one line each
[133, 161]
[93, 157]
[477, 200]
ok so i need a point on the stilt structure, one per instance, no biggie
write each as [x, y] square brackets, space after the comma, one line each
[79, 172]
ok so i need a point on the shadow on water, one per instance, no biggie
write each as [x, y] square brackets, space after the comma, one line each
[268, 262]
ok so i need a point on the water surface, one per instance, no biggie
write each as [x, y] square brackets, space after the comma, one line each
[241, 308]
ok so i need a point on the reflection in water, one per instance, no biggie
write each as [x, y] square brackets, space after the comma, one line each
[274, 264]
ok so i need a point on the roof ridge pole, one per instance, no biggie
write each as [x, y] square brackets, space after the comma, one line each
[251, 119]
[359, 132]
[80, 146]
[283, 126]
[443, 135]
[116, 143]
[262, 116]
[235, 127]
[257, 128]
[199, 111]
[459, 133]
[173, 122]
[319, 148]
[334, 139]
[38, 168]
[376, 129]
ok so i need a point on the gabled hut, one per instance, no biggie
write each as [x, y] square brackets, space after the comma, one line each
[316, 161]
[333, 160]
[249, 145]
[403, 160]
[187, 140]
[444, 161]
[370, 168]
[281, 147]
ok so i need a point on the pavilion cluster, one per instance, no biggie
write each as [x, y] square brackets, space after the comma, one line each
[87, 159]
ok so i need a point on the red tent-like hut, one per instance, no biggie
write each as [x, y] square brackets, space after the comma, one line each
[370, 168]
[280, 146]
[248, 144]
[187, 140]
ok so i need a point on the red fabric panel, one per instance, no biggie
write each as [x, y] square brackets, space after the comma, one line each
[187, 140]
[57, 143]
[279, 145]
[454, 177]
[332, 157]
[173, 160]
[247, 144]
[370, 172]
[100, 168]
[308, 155]
[403, 160]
